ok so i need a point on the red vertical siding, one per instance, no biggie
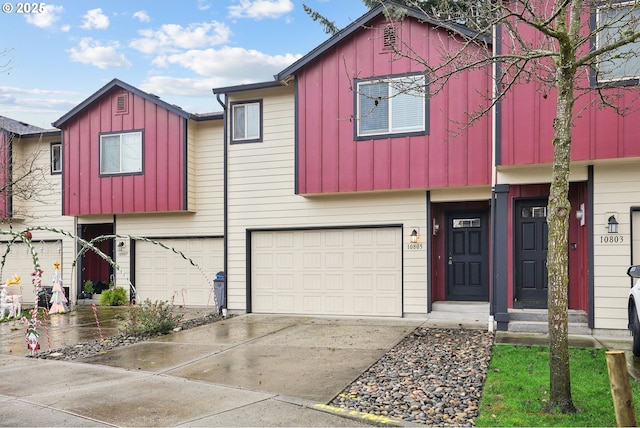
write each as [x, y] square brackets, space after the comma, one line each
[161, 185]
[331, 160]
[526, 123]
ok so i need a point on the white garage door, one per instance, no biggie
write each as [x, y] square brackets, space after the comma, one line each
[327, 272]
[165, 276]
[20, 262]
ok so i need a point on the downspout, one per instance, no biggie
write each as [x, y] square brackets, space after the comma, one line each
[224, 201]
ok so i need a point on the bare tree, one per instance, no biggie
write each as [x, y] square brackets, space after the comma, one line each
[569, 49]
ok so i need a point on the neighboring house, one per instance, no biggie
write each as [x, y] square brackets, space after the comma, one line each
[136, 166]
[337, 208]
[31, 183]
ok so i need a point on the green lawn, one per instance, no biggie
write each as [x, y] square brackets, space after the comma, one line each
[517, 388]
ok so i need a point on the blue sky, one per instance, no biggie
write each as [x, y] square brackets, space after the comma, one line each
[176, 49]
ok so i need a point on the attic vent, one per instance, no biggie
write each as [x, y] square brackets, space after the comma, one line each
[122, 105]
[390, 35]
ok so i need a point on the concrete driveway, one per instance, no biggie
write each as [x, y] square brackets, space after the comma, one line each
[249, 370]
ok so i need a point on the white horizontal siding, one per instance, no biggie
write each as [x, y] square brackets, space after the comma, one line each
[615, 192]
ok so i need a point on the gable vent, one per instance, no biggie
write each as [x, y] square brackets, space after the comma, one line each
[122, 104]
[390, 35]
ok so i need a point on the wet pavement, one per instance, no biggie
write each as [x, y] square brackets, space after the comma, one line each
[247, 370]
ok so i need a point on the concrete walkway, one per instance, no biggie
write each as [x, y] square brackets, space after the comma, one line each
[249, 370]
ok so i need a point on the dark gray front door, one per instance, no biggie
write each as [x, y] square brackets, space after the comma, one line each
[467, 256]
[531, 254]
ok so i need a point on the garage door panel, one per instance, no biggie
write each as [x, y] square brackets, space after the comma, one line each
[333, 272]
[162, 274]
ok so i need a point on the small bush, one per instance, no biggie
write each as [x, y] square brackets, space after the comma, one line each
[113, 297]
[150, 319]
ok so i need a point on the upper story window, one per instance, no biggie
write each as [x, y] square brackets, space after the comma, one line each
[121, 153]
[56, 158]
[622, 63]
[391, 107]
[246, 122]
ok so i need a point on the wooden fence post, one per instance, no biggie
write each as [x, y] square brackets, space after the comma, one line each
[621, 389]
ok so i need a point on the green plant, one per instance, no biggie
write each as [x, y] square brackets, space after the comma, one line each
[113, 297]
[151, 318]
[88, 287]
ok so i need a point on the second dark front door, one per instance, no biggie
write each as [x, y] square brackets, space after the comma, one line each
[467, 257]
[531, 254]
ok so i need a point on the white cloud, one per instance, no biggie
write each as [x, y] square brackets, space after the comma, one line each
[36, 106]
[187, 87]
[236, 65]
[47, 18]
[173, 36]
[142, 16]
[259, 9]
[95, 19]
[94, 53]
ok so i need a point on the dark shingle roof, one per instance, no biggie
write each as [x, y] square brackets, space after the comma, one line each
[18, 127]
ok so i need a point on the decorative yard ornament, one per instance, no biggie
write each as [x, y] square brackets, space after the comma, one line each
[58, 299]
[10, 303]
[33, 322]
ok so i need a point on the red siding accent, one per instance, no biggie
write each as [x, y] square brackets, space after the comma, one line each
[528, 111]
[159, 188]
[329, 158]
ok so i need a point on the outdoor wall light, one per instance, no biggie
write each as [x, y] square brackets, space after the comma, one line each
[414, 236]
[612, 225]
[120, 246]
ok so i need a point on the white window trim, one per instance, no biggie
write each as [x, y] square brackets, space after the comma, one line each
[412, 79]
[121, 171]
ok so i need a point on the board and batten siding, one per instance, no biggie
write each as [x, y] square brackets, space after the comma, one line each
[159, 189]
[42, 211]
[615, 192]
[450, 155]
[261, 195]
[207, 219]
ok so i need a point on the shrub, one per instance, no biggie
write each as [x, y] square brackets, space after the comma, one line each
[113, 297]
[88, 287]
[151, 318]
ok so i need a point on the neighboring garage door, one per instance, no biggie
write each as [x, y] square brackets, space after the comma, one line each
[20, 262]
[164, 275]
[327, 272]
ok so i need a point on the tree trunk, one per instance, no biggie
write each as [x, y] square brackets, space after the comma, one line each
[558, 211]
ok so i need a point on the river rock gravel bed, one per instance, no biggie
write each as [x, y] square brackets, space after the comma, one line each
[433, 376]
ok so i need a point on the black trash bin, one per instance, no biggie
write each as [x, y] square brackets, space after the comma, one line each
[220, 291]
[44, 298]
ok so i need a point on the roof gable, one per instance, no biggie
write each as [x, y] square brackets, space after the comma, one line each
[120, 84]
[365, 20]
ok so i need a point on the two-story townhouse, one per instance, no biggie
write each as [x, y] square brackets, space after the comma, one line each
[149, 174]
[348, 196]
[31, 183]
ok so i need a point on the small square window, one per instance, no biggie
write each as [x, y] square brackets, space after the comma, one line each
[391, 107]
[121, 153]
[246, 122]
[622, 63]
[56, 158]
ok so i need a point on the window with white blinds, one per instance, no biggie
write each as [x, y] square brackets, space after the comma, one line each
[391, 106]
